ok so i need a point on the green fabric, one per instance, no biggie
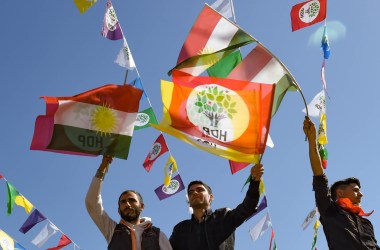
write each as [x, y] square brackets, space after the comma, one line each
[282, 86]
[12, 193]
[224, 67]
[144, 121]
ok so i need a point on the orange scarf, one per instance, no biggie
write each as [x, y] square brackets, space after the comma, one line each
[346, 204]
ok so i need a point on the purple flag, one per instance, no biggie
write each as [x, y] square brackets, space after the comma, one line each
[175, 186]
[263, 204]
[34, 218]
[111, 27]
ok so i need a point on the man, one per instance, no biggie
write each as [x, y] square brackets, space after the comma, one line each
[340, 212]
[132, 232]
[208, 230]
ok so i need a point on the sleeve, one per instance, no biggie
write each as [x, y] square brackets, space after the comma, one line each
[164, 242]
[248, 206]
[95, 209]
[322, 193]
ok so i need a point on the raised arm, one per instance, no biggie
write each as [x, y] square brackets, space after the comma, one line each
[315, 159]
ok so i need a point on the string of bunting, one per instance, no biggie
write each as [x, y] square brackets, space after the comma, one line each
[35, 217]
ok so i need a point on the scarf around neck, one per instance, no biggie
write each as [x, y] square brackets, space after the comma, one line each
[346, 204]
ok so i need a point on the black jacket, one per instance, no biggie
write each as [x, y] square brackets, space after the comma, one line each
[343, 229]
[218, 228]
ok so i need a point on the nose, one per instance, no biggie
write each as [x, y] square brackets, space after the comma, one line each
[360, 194]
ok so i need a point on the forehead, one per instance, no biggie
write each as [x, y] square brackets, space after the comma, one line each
[129, 195]
[353, 186]
[197, 186]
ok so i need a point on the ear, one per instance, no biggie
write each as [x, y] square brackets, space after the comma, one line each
[142, 206]
[211, 198]
[340, 193]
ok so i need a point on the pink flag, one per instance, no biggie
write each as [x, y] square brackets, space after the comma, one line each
[64, 241]
[159, 147]
[111, 27]
[237, 166]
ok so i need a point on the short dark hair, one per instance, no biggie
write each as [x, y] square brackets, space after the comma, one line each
[342, 184]
[199, 182]
[131, 191]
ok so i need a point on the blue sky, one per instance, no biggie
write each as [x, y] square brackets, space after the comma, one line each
[49, 49]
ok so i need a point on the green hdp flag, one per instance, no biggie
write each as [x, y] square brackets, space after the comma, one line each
[145, 118]
[12, 194]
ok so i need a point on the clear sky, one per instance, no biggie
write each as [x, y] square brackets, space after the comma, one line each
[47, 48]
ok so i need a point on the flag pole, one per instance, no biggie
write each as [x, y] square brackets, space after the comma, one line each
[126, 76]
[290, 74]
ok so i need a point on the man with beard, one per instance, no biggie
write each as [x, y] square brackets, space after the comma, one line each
[214, 230]
[340, 212]
[132, 232]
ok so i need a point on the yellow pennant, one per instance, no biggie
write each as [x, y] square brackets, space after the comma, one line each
[23, 202]
[322, 133]
[84, 5]
[170, 168]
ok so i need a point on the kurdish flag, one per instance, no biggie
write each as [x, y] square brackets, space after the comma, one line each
[225, 117]
[260, 66]
[210, 39]
[96, 122]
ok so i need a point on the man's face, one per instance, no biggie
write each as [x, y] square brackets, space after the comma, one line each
[352, 192]
[199, 197]
[130, 207]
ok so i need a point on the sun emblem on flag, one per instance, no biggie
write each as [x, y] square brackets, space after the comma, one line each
[104, 120]
[209, 57]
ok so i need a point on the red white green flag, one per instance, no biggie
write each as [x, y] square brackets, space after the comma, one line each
[159, 147]
[308, 13]
[225, 117]
[96, 122]
[211, 38]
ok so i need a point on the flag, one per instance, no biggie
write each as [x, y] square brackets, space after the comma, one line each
[224, 7]
[316, 226]
[176, 185]
[309, 218]
[34, 218]
[145, 118]
[1, 176]
[19, 246]
[225, 117]
[138, 84]
[261, 67]
[46, 232]
[325, 44]
[323, 75]
[271, 240]
[84, 5]
[170, 168]
[124, 58]
[317, 106]
[97, 122]
[12, 194]
[63, 241]
[261, 187]
[308, 13]
[23, 202]
[6, 242]
[263, 204]
[111, 27]
[322, 133]
[158, 148]
[211, 38]
[260, 228]
[323, 153]
[237, 166]
[223, 67]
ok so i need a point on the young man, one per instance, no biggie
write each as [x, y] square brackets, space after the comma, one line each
[214, 230]
[341, 215]
[132, 232]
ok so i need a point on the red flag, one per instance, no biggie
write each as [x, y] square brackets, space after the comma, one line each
[308, 13]
[237, 166]
[64, 241]
[159, 147]
[271, 239]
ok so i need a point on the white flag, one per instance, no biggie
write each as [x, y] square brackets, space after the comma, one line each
[124, 58]
[47, 231]
[309, 218]
[260, 228]
[317, 106]
[270, 142]
[223, 7]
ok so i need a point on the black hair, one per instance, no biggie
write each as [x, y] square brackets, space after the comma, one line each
[131, 191]
[199, 182]
[342, 184]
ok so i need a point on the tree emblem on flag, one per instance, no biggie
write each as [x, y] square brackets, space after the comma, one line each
[142, 119]
[155, 151]
[172, 188]
[214, 109]
[309, 11]
[111, 19]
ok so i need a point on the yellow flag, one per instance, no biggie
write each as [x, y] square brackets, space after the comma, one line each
[170, 167]
[317, 224]
[322, 133]
[84, 5]
[23, 202]
[6, 242]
